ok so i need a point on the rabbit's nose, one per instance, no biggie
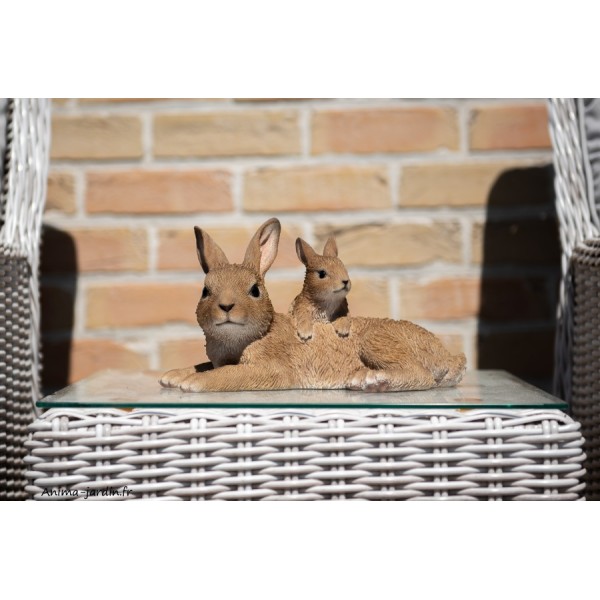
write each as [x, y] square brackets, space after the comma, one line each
[226, 307]
[345, 282]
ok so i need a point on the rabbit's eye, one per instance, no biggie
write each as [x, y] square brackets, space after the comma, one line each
[255, 291]
[322, 274]
[205, 292]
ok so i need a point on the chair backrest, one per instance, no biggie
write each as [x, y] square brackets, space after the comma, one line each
[575, 133]
[3, 115]
[575, 128]
[26, 141]
[24, 194]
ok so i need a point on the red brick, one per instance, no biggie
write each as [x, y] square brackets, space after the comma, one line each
[94, 250]
[141, 304]
[317, 188]
[231, 133]
[61, 192]
[96, 137]
[382, 244]
[513, 127]
[493, 298]
[156, 192]
[477, 184]
[455, 298]
[384, 130]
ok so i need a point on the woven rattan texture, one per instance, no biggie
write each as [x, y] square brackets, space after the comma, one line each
[312, 455]
[576, 353]
[22, 198]
[16, 410]
[586, 356]
[577, 218]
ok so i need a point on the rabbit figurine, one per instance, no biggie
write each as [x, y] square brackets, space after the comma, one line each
[253, 348]
[323, 295]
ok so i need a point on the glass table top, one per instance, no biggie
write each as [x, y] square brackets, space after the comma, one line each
[127, 389]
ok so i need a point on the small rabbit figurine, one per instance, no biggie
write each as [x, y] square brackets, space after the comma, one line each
[323, 295]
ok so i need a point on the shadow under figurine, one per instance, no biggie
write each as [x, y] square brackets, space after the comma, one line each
[253, 348]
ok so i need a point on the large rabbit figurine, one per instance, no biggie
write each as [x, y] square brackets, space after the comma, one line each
[253, 348]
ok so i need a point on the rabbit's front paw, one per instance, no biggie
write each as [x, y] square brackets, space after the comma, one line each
[193, 383]
[367, 380]
[342, 326]
[305, 333]
[175, 377]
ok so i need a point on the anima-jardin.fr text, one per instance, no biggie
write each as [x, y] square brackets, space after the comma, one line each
[87, 493]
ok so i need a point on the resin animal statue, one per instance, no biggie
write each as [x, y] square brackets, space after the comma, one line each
[253, 348]
[323, 298]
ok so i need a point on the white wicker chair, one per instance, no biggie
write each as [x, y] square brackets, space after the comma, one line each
[577, 369]
[22, 198]
[267, 454]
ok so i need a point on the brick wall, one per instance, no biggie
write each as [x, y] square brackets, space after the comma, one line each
[442, 211]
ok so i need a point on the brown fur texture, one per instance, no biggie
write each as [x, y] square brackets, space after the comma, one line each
[253, 348]
[323, 296]
[235, 308]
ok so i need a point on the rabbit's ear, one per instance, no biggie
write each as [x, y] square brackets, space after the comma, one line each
[330, 248]
[262, 249]
[209, 253]
[305, 252]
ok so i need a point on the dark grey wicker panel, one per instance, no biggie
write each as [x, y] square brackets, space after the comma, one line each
[16, 411]
[586, 356]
